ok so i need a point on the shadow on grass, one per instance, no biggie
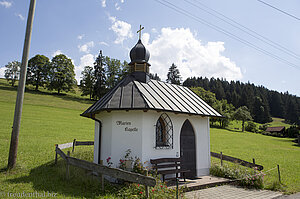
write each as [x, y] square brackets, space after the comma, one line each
[51, 178]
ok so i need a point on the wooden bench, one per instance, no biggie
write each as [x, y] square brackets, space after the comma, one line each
[165, 166]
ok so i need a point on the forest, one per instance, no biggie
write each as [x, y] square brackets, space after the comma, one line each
[261, 102]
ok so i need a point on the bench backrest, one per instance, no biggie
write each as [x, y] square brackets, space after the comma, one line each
[162, 163]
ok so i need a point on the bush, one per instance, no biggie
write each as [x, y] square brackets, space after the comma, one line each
[251, 178]
[263, 127]
[292, 132]
[251, 127]
[254, 179]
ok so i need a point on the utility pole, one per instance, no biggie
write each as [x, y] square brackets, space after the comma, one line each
[12, 158]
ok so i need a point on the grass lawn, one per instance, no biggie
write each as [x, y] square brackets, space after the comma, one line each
[49, 119]
[267, 151]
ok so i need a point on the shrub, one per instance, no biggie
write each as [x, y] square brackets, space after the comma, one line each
[254, 179]
[292, 132]
[251, 178]
[263, 127]
[251, 127]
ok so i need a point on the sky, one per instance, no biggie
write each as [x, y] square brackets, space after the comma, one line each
[245, 41]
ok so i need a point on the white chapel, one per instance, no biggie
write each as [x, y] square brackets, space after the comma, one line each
[153, 119]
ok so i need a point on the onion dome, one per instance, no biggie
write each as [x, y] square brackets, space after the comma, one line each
[139, 54]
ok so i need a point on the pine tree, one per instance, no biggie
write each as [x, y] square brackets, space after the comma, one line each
[154, 76]
[173, 75]
[88, 81]
[100, 78]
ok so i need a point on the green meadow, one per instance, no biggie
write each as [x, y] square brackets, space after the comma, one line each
[49, 119]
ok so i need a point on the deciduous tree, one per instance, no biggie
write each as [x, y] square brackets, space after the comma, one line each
[242, 114]
[12, 72]
[38, 70]
[61, 74]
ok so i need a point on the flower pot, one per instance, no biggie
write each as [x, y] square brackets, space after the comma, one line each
[128, 164]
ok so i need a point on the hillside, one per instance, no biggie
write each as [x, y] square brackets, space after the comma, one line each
[262, 102]
[49, 119]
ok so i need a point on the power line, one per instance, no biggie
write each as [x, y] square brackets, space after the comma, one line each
[245, 29]
[279, 10]
[223, 31]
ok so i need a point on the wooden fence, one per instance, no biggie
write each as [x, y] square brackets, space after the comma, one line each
[236, 160]
[90, 166]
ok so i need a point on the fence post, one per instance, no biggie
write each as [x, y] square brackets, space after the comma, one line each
[221, 159]
[68, 166]
[254, 161]
[278, 173]
[74, 142]
[102, 178]
[146, 187]
[177, 186]
[56, 146]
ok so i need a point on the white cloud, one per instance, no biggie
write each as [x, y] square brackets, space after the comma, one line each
[103, 43]
[117, 6]
[57, 52]
[6, 4]
[122, 29]
[103, 3]
[180, 46]
[20, 17]
[154, 30]
[122, 1]
[85, 60]
[80, 37]
[86, 47]
[2, 72]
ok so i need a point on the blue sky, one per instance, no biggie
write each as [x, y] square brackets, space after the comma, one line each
[79, 29]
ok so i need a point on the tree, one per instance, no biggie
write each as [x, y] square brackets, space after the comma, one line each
[124, 70]
[61, 74]
[38, 68]
[88, 81]
[12, 72]
[261, 110]
[100, 78]
[173, 75]
[113, 71]
[154, 76]
[226, 110]
[242, 114]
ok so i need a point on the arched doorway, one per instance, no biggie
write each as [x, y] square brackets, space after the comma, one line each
[188, 149]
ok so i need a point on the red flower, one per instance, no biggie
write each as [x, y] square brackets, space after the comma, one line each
[161, 186]
[141, 192]
[153, 190]
[138, 185]
[108, 159]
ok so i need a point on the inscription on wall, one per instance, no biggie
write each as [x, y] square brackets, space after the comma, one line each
[127, 126]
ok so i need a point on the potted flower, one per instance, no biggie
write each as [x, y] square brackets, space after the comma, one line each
[128, 160]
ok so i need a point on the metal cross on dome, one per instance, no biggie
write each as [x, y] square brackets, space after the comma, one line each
[140, 31]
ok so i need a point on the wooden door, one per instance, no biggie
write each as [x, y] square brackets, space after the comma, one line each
[188, 149]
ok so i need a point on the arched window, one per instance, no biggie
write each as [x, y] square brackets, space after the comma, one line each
[164, 132]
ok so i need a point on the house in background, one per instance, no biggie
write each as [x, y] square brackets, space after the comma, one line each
[279, 130]
[152, 118]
